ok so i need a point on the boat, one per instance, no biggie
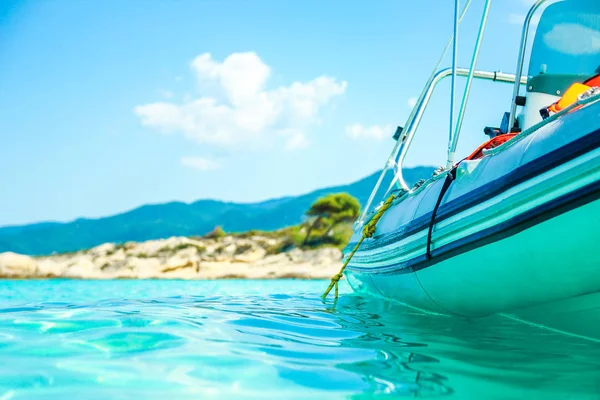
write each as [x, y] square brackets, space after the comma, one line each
[514, 228]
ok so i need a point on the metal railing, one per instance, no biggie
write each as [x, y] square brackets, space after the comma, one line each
[399, 152]
[397, 159]
[521, 60]
[453, 140]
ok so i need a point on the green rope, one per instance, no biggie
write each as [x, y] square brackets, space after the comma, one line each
[368, 231]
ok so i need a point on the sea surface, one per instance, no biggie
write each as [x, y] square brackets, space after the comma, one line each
[233, 339]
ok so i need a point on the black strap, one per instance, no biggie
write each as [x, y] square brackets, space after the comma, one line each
[449, 179]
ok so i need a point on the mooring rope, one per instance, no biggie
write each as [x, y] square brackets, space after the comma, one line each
[368, 231]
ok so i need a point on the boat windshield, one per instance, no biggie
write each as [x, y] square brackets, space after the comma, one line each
[567, 40]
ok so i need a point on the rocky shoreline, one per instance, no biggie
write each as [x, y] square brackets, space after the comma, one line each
[228, 257]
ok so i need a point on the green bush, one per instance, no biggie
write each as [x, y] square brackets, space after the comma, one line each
[216, 233]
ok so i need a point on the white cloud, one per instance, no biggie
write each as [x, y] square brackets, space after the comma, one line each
[377, 132]
[200, 163]
[573, 39]
[242, 76]
[412, 101]
[236, 107]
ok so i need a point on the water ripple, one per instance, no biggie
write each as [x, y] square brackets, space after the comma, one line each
[182, 340]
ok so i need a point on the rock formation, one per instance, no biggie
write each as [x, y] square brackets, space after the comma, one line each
[179, 258]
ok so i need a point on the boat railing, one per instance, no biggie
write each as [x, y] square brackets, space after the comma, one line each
[413, 124]
[399, 154]
[404, 140]
[521, 59]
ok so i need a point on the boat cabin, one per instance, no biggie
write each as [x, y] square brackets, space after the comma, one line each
[565, 51]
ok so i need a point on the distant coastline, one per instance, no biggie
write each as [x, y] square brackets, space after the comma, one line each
[299, 237]
[228, 257]
[158, 221]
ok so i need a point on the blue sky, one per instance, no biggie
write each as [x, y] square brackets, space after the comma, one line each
[106, 105]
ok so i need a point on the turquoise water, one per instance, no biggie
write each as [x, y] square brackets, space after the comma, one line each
[268, 339]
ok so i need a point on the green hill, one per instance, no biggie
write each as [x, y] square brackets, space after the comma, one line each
[177, 219]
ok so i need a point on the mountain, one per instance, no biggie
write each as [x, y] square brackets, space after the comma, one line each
[179, 219]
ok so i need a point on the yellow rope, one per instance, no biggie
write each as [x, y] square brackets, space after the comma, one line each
[368, 231]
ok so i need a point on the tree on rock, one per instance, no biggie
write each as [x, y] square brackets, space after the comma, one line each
[327, 212]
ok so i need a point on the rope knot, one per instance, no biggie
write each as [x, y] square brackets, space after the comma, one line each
[368, 231]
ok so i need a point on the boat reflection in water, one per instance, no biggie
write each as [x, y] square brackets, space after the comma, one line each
[419, 354]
